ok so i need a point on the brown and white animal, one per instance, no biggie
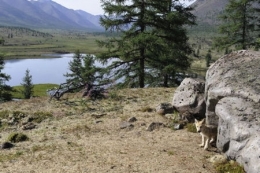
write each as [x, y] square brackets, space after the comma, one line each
[207, 132]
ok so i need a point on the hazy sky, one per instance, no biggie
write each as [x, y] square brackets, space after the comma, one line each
[90, 6]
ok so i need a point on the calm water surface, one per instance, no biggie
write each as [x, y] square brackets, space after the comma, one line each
[43, 70]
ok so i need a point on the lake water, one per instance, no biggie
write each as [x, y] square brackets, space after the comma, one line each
[50, 69]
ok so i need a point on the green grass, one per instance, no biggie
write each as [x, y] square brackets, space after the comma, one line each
[39, 90]
[191, 128]
[10, 156]
[229, 166]
[17, 137]
[24, 44]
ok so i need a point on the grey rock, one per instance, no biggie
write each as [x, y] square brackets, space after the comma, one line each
[164, 108]
[155, 125]
[7, 145]
[132, 119]
[125, 124]
[178, 126]
[28, 126]
[232, 95]
[96, 116]
[239, 131]
[218, 158]
[98, 121]
[235, 74]
[189, 98]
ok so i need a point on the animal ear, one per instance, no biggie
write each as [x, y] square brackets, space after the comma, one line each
[203, 120]
[196, 120]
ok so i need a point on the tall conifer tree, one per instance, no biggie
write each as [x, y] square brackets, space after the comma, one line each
[83, 70]
[5, 90]
[152, 35]
[238, 25]
[27, 85]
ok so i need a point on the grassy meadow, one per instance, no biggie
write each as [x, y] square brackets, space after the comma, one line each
[76, 134]
[30, 43]
[39, 90]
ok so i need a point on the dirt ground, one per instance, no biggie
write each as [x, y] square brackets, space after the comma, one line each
[85, 137]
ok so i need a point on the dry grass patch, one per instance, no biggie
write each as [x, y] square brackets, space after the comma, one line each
[82, 140]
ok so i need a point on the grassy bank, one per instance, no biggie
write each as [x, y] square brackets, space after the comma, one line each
[39, 90]
[29, 44]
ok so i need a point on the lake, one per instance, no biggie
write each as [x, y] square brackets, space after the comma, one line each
[47, 69]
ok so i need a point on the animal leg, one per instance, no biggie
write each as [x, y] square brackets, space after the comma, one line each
[202, 141]
[212, 140]
[206, 144]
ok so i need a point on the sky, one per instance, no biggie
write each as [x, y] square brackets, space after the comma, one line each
[90, 6]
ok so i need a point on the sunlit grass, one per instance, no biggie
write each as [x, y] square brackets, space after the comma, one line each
[38, 90]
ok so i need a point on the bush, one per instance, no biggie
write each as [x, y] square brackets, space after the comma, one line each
[4, 114]
[229, 166]
[38, 117]
[191, 127]
[17, 137]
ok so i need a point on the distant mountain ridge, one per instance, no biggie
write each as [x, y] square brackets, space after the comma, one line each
[207, 11]
[48, 14]
[45, 14]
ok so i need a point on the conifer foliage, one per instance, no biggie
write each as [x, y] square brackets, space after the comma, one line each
[27, 85]
[5, 90]
[239, 22]
[82, 70]
[152, 38]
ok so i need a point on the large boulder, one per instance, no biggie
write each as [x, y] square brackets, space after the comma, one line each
[232, 95]
[188, 99]
[239, 131]
[235, 74]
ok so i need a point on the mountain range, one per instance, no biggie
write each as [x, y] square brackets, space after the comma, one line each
[45, 14]
[49, 14]
[207, 11]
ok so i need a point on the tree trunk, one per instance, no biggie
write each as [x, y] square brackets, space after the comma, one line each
[142, 50]
[165, 80]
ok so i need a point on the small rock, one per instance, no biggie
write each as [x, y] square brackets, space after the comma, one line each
[217, 159]
[155, 125]
[97, 115]
[27, 120]
[7, 145]
[28, 126]
[132, 119]
[164, 108]
[98, 121]
[125, 124]
[178, 126]
[170, 116]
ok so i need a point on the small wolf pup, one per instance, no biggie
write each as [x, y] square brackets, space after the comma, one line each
[206, 131]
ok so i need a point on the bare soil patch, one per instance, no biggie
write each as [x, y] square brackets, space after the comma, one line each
[85, 136]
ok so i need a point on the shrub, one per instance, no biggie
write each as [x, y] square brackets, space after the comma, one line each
[17, 137]
[191, 127]
[38, 117]
[229, 166]
[4, 114]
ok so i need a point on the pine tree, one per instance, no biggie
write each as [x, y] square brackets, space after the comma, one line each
[208, 58]
[238, 25]
[152, 35]
[83, 70]
[27, 85]
[5, 90]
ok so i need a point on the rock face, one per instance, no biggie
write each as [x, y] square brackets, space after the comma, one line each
[232, 95]
[188, 99]
[236, 74]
